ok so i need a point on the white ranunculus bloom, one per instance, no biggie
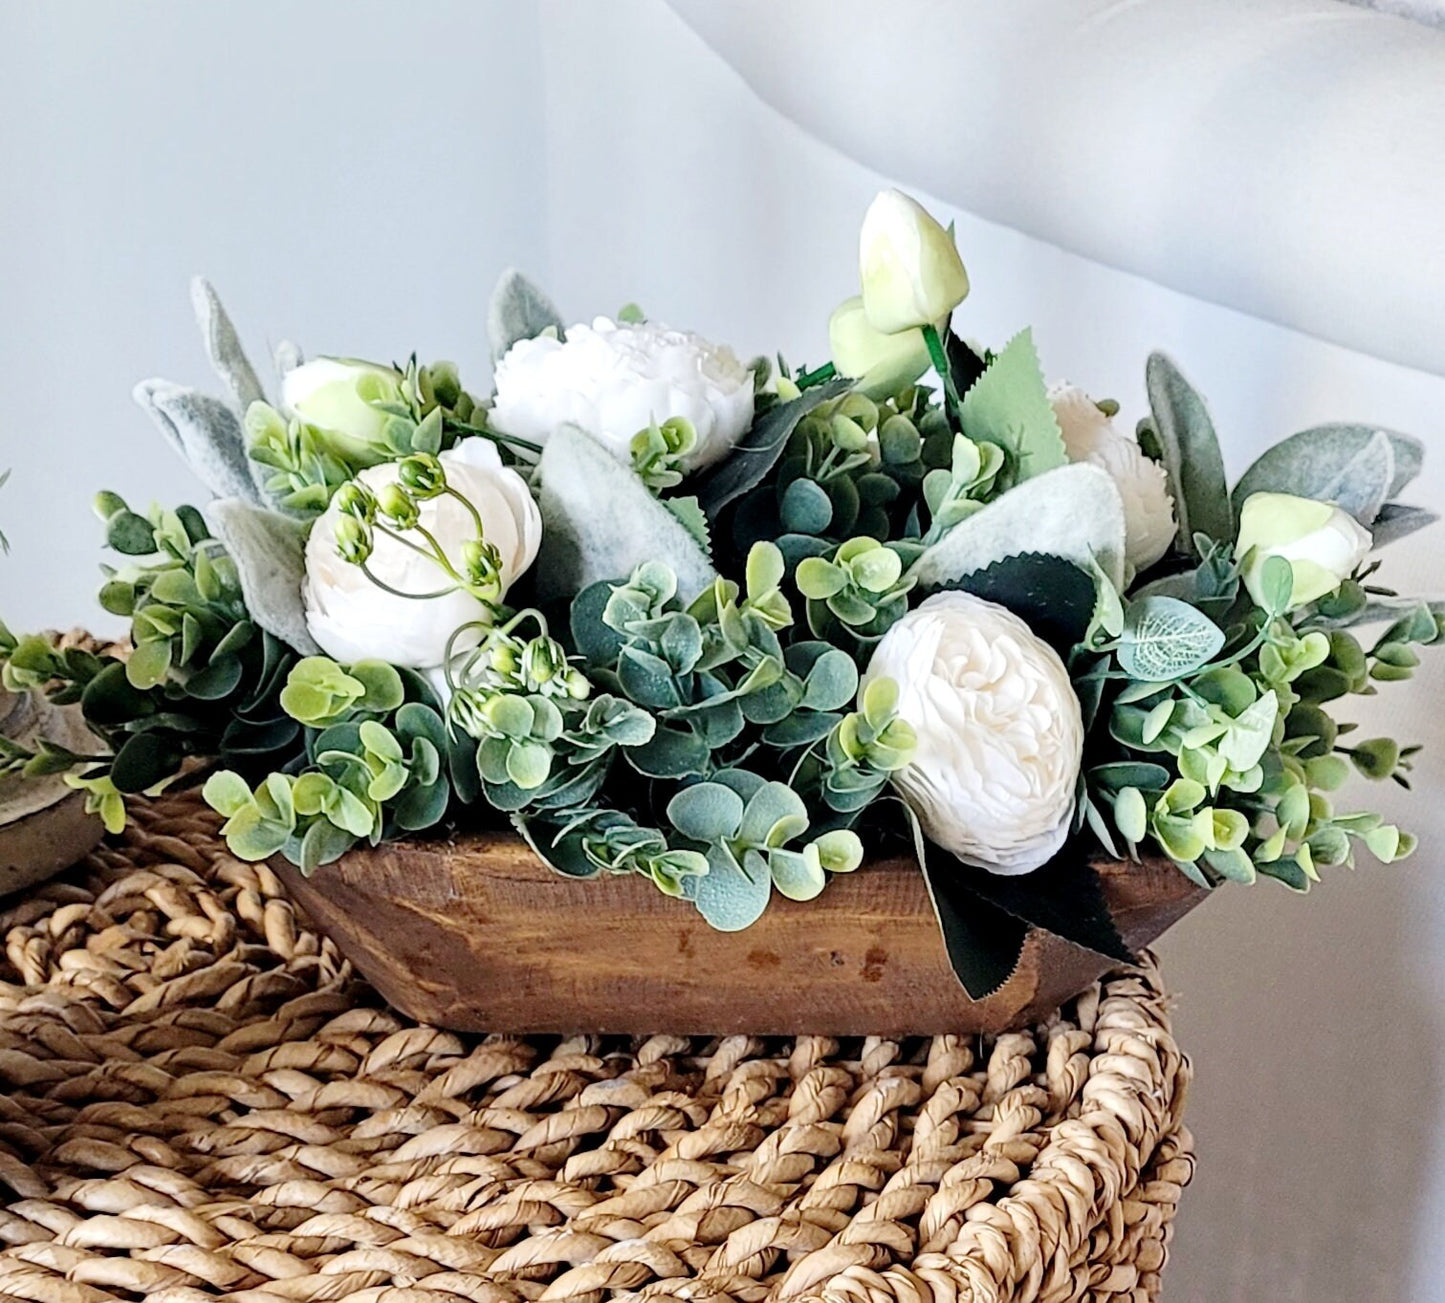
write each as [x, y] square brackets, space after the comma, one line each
[352, 619]
[614, 378]
[1091, 436]
[908, 265]
[336, 394]
[1000, 731]
[1323, 544]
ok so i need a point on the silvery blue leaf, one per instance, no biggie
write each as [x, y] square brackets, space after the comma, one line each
[1073, 512]
[1362, 483]
[223, 347]
[1307, 463]
[269, 551]
[1395, 521]
[729, 896]
[518, 310]
[601, 522]
[206, 433]
[1191, 454]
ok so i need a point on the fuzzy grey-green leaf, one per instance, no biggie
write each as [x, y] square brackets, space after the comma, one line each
[223, 347]
[600, 522]
[518, 310]
[1074, 512]
[206, 433]
[1308, 462]
[1192, 457]
[268, 551]
[1362, 483]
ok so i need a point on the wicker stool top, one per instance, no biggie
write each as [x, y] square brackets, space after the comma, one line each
[201, 1101]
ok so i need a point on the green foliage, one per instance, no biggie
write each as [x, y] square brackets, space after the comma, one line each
[202, 681]
[1008, 407]
[1183, 435]
[1226, 755]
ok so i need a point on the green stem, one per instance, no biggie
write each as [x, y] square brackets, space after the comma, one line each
[475, 514]
[817, 376]
[396, 592]
[939, 357]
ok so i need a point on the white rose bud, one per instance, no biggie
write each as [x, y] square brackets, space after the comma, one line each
[615, 378]
[908, 264]
[1091, 436]
[336, 395]
[1000, 731]
[354, 620]
[882, 364]
[1323, 544]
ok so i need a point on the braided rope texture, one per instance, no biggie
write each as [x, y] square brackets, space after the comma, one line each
[201, 1100]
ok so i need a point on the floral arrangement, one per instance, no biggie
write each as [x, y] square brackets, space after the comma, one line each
[737, 628]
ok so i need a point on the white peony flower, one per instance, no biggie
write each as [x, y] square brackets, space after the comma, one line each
[908, 264]
[1323, 544]
[1000, 731]
[1090, 436]
[336, 395]
[613, 379]
[352, 619]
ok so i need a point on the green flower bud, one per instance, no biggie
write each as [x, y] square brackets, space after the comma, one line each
[882, 364]
[422, 474]
[482, 564]
[355, 499]
[398, 506]
[354, 541]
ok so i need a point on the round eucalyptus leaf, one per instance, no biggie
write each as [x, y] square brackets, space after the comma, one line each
[706, 812]
[729, 896]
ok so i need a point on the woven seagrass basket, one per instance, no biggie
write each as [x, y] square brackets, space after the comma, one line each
[199, 1100]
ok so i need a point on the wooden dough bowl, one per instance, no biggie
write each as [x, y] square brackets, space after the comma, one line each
[477, 934]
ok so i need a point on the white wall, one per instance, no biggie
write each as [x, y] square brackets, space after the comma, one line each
[361, 193]
[351, 174]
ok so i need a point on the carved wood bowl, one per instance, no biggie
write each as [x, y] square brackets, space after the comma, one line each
[477, 934]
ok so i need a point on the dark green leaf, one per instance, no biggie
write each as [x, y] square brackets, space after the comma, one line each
[757, 452]
[144, 760]
[1054, 597]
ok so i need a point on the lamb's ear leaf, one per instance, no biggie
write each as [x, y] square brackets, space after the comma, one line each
[1008, 405]
[983, 943]
[1055, 597]
[1063, 897]
[269, 552]
[206, 433]
[1192, 457]
[1073, 512]
[518, 310]
[600, 521]
[1307, 463]
[1362, 483]
[1396, 520]
[757, 452]
[223, 347]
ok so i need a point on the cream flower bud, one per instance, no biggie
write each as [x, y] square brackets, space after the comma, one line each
[908, 264]
[614, 379]
[353, 619]
[882, 364]
[1000, 731]
[1323, 544]
[1091, 436]
[336, 395]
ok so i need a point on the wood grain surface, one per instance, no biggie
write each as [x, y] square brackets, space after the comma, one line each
[477, 934]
